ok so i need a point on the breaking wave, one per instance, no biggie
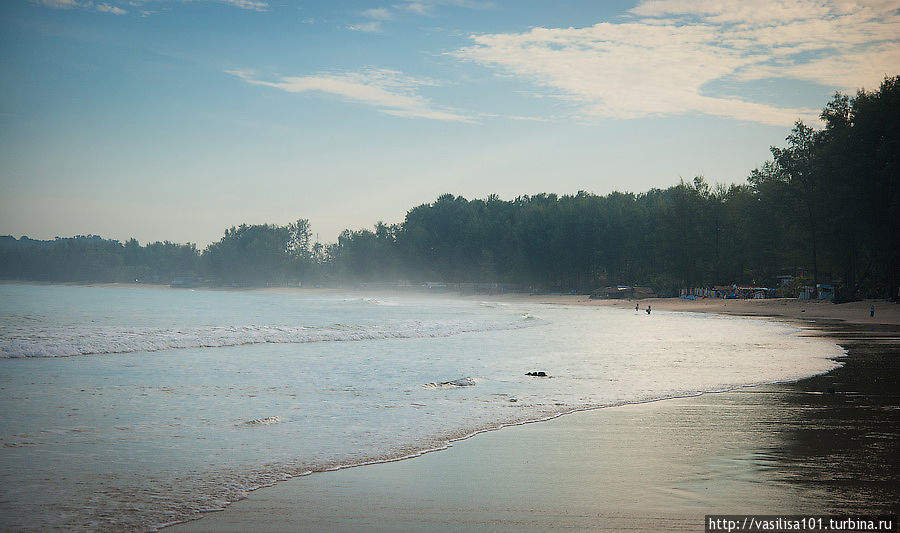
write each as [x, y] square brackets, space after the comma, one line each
[262, 421]
[94, 340]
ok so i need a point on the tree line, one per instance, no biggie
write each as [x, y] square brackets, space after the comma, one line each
[826, 207]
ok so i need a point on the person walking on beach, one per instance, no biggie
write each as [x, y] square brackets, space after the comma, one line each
[635, 306]
[872, 310]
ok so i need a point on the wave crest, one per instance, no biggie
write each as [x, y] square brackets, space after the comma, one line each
[94, 340]
[262, 421]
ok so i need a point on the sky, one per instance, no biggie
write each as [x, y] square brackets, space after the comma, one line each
[176, 119]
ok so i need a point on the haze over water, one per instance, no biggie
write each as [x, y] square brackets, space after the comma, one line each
[133, 407]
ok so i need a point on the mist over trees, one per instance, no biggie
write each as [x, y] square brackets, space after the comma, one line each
[260, 254]
[90, 258]
[825, 206]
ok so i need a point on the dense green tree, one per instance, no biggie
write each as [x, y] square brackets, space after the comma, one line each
[261, 254]
[93, 259]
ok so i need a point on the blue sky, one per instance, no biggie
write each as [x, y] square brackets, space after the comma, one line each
[174, 119]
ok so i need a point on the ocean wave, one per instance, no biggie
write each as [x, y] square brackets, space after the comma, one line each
[65, 341]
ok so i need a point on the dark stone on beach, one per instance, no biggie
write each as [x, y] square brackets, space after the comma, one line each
[540, 374]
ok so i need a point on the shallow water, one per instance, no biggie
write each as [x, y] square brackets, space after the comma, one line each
[128, 408]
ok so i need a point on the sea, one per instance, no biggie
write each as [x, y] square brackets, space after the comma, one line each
[129, 408]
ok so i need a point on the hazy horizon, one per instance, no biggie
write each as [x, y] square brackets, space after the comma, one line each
[174, 120]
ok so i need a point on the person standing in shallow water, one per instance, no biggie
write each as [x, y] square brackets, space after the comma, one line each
[872, 310]
[648, 309]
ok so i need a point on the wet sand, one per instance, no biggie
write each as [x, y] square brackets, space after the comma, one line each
[824, 445]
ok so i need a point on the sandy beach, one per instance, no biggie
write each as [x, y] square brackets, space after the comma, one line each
[776, 308]
[823, 445]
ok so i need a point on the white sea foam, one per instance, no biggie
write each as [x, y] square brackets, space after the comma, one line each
[373, 301]
[462, 382]
[262, 421]
[27, 341]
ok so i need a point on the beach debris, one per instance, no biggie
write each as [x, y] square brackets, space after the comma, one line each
[513, 400]
[537, 374]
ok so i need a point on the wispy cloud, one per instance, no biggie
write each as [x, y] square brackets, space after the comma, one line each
[72, 4]
[373, 26]
[427, 7]
[380, 13]
[377, 16]
[417, 8]
[106, 8]
[252, 5]
[389, 91]
[662, 60]
[58, 4]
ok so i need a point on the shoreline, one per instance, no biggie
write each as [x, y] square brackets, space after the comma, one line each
[878, 339]
[824, 467]
[886, 312]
